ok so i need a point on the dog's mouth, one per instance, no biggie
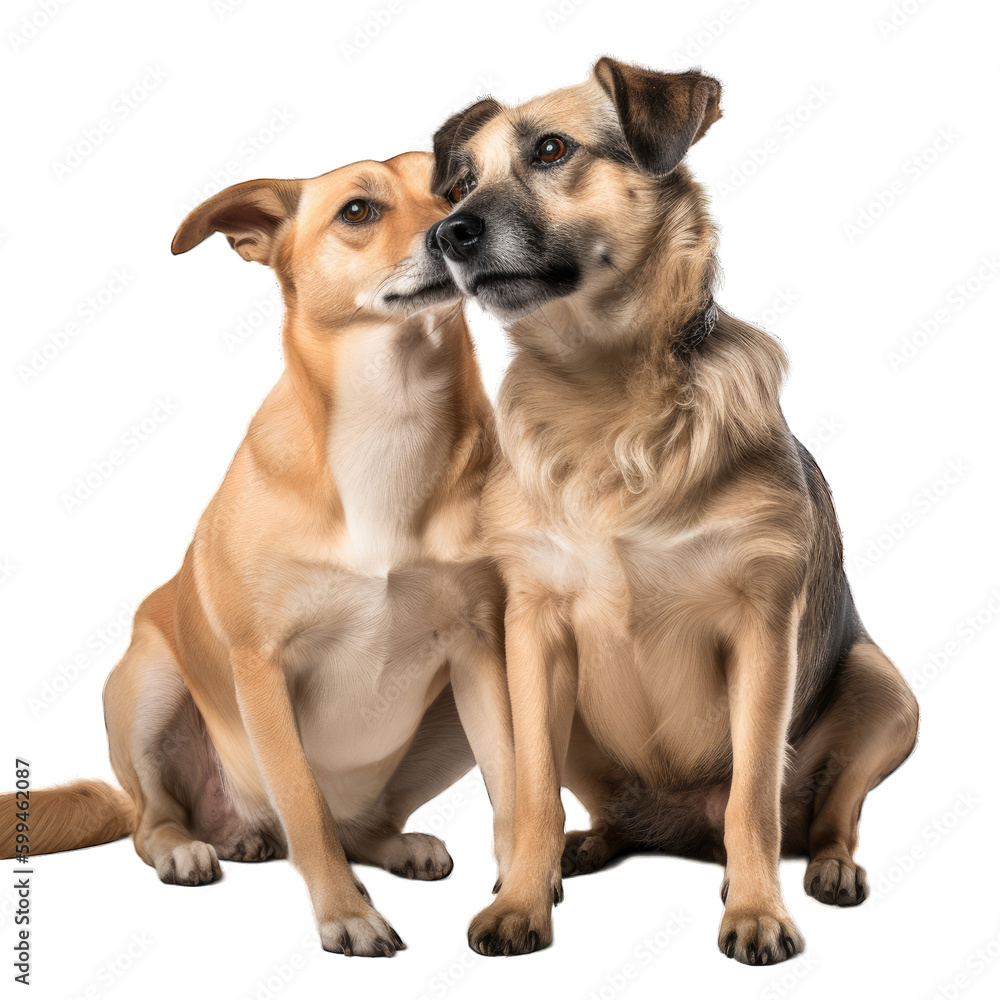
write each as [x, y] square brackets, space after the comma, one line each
[434, 291]
[415, 297]
[511, 295]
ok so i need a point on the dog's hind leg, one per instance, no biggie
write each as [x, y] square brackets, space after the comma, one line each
[158, 751]
[590, 850]
[438, 756]
[866, 732]
[589, 776]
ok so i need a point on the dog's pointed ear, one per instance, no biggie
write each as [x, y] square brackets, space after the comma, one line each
[661, 114]
[452, 136]
[251, 215]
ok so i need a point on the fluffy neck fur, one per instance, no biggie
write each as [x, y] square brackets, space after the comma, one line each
[621, 405]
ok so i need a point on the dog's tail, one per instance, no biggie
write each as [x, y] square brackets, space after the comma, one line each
[79, 814]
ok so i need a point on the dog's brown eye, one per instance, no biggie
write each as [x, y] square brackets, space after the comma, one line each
[551, 149]
[356, 211]
[461, 190]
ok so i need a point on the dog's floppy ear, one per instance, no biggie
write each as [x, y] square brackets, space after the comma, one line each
[250, 214]
[452, 135]
[661, 114]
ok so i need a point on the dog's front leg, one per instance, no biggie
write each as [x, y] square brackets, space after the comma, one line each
[760, 675]
[479, 682]
[541, 678]
[347, 921]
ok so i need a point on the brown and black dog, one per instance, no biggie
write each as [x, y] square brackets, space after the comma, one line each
[683, 651]
[303, 683]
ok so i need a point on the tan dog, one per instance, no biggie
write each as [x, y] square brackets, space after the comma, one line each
[682, 648]
[289, 689]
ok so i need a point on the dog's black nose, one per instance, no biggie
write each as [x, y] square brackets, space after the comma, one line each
[458, 235]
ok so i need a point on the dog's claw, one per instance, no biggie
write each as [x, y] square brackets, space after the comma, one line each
[836, 883]
[759, 938]
[366, 934]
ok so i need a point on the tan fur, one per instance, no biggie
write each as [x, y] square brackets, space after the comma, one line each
[672, 561]
[78, 814]
[300, 685]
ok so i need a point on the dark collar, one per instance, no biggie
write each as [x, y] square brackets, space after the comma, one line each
[696, 330]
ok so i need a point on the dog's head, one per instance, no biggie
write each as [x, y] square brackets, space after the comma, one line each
[558, 197]
[348, 245]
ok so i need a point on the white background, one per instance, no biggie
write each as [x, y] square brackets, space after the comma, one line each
[785, 191]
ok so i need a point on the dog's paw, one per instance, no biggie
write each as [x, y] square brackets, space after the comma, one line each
[416, 855]
[585, 852]
[837, 883]
[193, 863]
[503, 929]
[251, 846]
[759, 938]
[367, 933]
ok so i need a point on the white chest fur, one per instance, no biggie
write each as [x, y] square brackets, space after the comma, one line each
[379, 621]
[388, 439]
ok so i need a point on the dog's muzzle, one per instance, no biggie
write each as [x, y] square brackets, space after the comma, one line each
[457, 237]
